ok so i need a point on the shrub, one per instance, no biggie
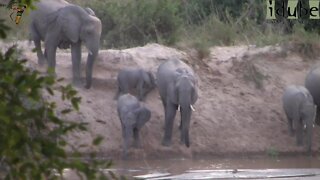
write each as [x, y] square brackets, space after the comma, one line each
[304, 43]
[133, 23]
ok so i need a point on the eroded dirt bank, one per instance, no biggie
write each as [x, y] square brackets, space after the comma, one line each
[233, 114]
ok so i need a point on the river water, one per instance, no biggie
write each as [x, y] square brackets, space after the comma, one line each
[180, 166]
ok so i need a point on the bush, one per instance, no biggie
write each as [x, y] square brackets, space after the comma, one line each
[133, 23]
[304, 43]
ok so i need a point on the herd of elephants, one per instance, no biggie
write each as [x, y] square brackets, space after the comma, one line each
[63, 25]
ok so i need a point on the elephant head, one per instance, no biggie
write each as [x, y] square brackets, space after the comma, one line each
[73, 25]
[184, 95]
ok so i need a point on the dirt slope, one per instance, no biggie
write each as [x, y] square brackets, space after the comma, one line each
[232, 115]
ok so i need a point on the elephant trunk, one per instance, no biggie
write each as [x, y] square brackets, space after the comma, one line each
[93, 50]
[185, 111]
[185, 124]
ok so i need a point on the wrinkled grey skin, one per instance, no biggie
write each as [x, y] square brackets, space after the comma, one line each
[177, 86]
[301, 112]
[312, 83]
[133, 116]
[60, 24]
[135, 78]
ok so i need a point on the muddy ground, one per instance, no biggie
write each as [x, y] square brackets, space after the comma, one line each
[239, 110]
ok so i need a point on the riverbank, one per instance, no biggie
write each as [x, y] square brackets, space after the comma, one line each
[239, 110]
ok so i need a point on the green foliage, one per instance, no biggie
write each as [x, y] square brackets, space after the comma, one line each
[273, 153]
[132, 23]
[33, 137]
[304, 43]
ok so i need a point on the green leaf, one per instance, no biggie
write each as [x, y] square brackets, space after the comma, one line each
[97, 140]
[50, 91]
[66, 111]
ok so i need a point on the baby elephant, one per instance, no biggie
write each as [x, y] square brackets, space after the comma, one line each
[301, 112]
[133, 115]
[136, 78]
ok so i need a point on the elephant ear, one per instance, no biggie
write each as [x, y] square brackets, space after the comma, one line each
[70, 24]
[143, 115]
[172, 93]
[194, 95]
[148, 78]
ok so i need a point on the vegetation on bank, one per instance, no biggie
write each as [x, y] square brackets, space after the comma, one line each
[196, 24]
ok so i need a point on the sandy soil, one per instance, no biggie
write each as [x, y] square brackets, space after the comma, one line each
[232, 115]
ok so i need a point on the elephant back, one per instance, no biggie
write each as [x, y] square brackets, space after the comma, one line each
[39, 17]
[173, 68]
[168, 73]
[312, 83]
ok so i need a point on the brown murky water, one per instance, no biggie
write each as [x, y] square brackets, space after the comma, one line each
[178, 166]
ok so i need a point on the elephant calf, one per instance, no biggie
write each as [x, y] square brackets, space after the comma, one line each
[135, 78]
[133, 115]
[301, 112]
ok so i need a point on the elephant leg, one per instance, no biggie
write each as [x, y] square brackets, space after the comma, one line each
[51, 43]
[141, 91]
[117, 94]
[290, 126]
[317, 120]
[37, 43]
[125, 143]
[41, 57]
[136, 138]
[299, 133]
[170, 113]
[76, 63]
[309, 134]
[51, 52]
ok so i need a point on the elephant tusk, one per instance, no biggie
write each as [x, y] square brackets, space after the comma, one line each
[192, 108]
[305, 126]
[179, 108]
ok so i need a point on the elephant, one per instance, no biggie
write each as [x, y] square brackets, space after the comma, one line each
[61, 25]
[137, 78]
[178, 89]
[133, 116]
[300, 111]
[312, 83]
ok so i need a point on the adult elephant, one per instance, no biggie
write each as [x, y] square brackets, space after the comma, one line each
[301, 112]
[60, 24]
[312, 83]
[177, 86]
